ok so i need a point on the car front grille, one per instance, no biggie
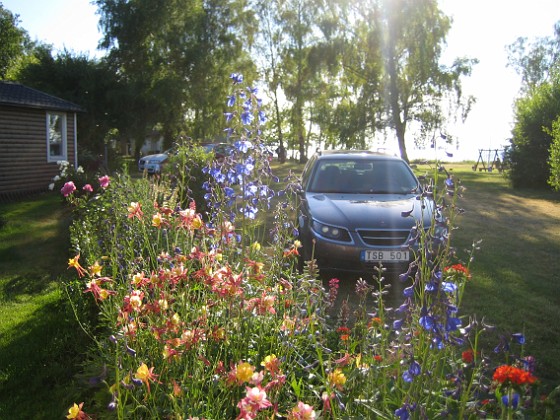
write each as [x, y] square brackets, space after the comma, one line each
[384, 237]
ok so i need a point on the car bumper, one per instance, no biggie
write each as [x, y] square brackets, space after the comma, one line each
[150, 168]
[335, 256]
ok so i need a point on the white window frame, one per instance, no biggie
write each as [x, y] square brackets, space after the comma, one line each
[63, 137]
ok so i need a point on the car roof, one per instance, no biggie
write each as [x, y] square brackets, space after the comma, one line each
[354, 154]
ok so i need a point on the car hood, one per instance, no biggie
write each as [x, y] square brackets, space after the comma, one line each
[160, 157]
[369, 211]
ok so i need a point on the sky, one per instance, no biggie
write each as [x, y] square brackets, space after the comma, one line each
[481, 29]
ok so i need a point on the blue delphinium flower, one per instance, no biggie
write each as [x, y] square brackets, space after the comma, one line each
[236, 78]
[403, 413]
[448, 287]
[519, 338]
[514, 400]
[413, 370]
[231, 100]
[249, 211]
[247, 117]
[243, 145]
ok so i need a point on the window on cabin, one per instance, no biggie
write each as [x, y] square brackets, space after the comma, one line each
[56, 137]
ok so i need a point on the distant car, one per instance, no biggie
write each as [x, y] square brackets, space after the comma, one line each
[358, 211]
[220, 150]
[153, 164]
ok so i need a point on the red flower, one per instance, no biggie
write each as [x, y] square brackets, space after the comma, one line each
[468, 356]
[457, 269]
[514, 375]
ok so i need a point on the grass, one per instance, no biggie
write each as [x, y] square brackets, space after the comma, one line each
[515, 286]
[516, 279]
[39, 340]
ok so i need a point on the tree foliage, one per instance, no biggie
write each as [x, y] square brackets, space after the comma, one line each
[13, 41]
[415, 83]
[536, 110]
[175, 56]
[90, 83]
[536, 62]
[339, 71]
[554, 159]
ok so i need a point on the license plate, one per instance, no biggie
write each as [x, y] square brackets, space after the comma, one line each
[385, 256]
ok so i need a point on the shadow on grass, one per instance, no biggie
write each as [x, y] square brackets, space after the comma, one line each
[37, 365]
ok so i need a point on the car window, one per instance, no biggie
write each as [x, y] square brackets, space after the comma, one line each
[362, 177]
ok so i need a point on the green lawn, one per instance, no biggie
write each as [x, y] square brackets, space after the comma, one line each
[516, 281]
[515, 286]
[39, 339]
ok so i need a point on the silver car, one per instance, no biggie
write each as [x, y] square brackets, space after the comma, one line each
[153, 164]
[360, 209]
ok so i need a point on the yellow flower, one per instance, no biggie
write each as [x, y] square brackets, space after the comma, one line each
[157, 219]
[244, 372]
[143, 372]
[73, 262]
[337, 379]
[95, 269]
[75, 412]
[146, 375]
[255, 247]
[137, 278]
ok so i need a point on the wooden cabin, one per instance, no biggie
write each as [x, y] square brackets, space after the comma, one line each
[37, 130]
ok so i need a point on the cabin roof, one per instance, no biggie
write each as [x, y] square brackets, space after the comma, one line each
[16, 94]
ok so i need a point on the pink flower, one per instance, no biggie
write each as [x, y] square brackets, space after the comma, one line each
[87, 188]
[302, 412]
[104, 181]
[68, 188]
[256, 397]
[254, 402]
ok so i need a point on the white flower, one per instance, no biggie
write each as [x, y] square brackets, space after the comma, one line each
[51, 186]
[56, 178]
[80, 170]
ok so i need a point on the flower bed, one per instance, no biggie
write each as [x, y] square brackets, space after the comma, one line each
[201, 316]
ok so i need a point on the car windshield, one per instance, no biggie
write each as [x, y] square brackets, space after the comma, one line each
[375, 176]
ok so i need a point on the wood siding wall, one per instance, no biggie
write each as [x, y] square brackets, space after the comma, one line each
[23, 151]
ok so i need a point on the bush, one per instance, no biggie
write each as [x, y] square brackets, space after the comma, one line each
[531, 141]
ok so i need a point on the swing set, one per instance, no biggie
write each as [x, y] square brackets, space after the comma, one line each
[491, 162]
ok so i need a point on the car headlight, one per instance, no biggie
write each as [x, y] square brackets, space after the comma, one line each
[331, 232]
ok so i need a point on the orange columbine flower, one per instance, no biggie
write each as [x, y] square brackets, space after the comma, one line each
[99, 293]
[76, 412]
[146, 375]
[135, 210]
[293, 251]
[515, 375]
[73, 262]
[337, 379]
[271, 363]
